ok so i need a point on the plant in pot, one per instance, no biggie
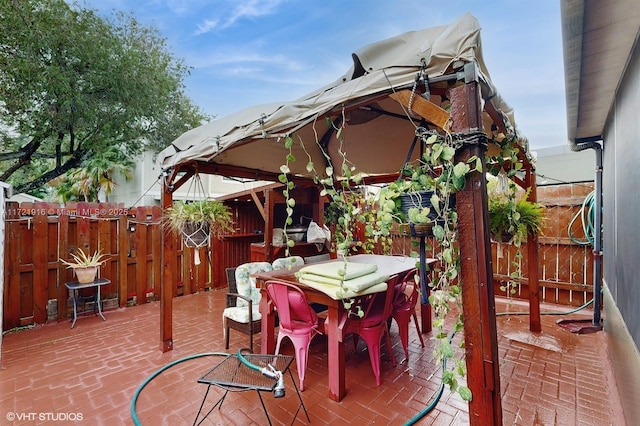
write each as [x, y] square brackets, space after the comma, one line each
[511, 219]
[411, 201]
[424, 194]
[199, 220]
[85, 266]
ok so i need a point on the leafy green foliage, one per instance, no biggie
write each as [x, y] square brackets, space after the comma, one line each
[511, 220]
[213, 212]
[510, 215]
[97, 175]
[75, 85]
[85, 260]
[439, 176]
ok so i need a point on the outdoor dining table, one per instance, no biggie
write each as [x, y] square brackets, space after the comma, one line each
[389, 265]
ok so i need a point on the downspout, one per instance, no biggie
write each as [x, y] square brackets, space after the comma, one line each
[595, 144]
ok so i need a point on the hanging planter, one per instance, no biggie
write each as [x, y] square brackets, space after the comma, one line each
[511, 218]
[418, 211]
[196, 234]
[414, 206]
[506, 237]
[196, 222]
[418, 200]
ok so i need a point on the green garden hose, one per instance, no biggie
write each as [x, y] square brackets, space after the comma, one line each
[269, 372]
[134, 401]
[426, 410]
[587, 216]
[548, 313]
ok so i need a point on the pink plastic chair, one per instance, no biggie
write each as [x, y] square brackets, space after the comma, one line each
[298, 321]
[404, 307]
[373, 325]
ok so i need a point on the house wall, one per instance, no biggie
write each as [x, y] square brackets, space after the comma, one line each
[621, 241]
[144, 189]
[558, 164]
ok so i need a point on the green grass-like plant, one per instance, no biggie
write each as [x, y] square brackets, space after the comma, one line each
[85, 260]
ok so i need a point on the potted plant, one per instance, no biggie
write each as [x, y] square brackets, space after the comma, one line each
[409, 202]
[512, 218]
[85, 266]
[199, 220]
[424, 193]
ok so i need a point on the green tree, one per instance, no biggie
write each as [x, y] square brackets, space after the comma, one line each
[74, 85]
[94, 177]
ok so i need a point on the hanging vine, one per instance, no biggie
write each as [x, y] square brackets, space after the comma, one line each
[346, 202]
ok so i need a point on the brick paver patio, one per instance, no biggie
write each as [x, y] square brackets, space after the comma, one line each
[53, 374]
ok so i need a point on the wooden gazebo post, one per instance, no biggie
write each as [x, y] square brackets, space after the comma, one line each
[169, 274]
[476, 278]
[532, 258]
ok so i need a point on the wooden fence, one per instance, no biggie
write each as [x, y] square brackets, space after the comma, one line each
[38, 234]
[565, 267]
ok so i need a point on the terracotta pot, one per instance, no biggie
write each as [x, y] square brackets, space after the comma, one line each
[86, 275]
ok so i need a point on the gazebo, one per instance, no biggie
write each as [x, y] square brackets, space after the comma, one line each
[432, 78]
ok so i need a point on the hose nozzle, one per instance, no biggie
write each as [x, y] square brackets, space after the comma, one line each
[279, 390]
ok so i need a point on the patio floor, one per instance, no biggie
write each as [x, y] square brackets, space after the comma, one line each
[90, 374]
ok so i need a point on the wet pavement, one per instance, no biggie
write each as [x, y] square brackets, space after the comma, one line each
[91, 373]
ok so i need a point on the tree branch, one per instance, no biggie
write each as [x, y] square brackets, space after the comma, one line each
[24, 158]
[72, 163]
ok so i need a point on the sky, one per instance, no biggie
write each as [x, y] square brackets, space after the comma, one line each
[249, 52]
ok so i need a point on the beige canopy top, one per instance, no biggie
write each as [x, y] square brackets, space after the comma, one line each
[377, 127]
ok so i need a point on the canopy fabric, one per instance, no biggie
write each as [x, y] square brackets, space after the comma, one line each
[377, 130]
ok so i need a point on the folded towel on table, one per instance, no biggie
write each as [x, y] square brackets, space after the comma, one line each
[333, 269]
[336, 293]
[355, 284]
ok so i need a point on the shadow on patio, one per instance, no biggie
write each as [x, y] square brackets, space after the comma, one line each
[90, 373]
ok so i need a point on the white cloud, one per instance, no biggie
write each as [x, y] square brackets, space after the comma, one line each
[252, 9]
[247, 57]
[246, 9]
[206, 27]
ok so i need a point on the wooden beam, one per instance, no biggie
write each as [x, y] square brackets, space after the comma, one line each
[424, 108]
[173, 184]
[476, 275]
[495, 116]
[258, 204]
[270, 202]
